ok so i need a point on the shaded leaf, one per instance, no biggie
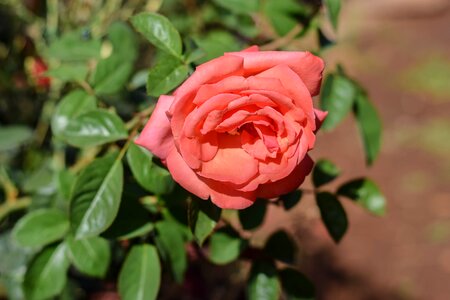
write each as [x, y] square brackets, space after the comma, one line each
[74, 46]
[369, 126]
[333, 8]
[338, 94]
[171, 246]
[165, 75]
[140, 276]
[14, 136]
[263, 283]
[111, 75]
[225, 246]
[215, 43]
[291, 199]
[69, 72]
[150, 176]
[90, 256]
[333, 215]
[296, 286]
[159, 31]
[41, 227]
[96, 196]
[366, 193]
[239, 6]
[253, 216]
[281, 247]
[324, 171]
[47, 273]
[203, 218]
[124, 41]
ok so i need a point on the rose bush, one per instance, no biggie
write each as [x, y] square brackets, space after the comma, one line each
[240, 127]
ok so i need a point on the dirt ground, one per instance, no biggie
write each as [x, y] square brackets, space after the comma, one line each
[400, 51]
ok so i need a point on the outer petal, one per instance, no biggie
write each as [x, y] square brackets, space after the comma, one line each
[287, 184]
[308, 66]
[185, 176]
[320, 117]
[157, 135]
[228, 198]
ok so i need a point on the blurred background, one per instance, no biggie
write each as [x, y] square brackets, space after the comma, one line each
[400, 51]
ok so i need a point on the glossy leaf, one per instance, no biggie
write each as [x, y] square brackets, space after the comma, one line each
[333, 215]
[158, 30]
[41, 227]
[140, 276]
[324, 171]
[369, 126]
[239, 6]
[263, 283]
[171, 245]
[150, 176]
[281, 247]
[165, 75]
[203, 218]
[338, 95]
[47, 273]
[14, 136]
[72, 105]
[296, 286]
[94, 128]
[333, 7]
[90, 256]
[253, 216]
[291, 199]
[225, 246]
[96, 197]
[366, 193]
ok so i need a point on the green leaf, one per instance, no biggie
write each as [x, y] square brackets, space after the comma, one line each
[203, 218]
[69, 72]
[239, 6]
[253, 216]
[111, 75]
[47, 273]
[90, 256]
[324, 171]
[41, 227]
[74, 46]
[366, 193]
[333, 215]
[263, 283]
[14, 136]
[150, 176]
[72, 105]
[291, 199]
[165, 75]
[369, 126]
[94, 128]
[281, 247]
[338, 94]
[159, 31]
[295, 285]
[124, 41]
[96, 197]
[333, 7]
[171, 245]
[284, 14]
[215, 43]
[225, 246]
[140, 276]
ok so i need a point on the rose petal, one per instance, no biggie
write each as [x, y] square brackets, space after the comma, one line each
[320, 117]
[308, 66]
[228, 198]
[231, 163]
[157, 135]
[185, 176]
[287, 184]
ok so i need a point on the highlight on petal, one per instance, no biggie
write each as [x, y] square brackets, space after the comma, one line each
[157, 135]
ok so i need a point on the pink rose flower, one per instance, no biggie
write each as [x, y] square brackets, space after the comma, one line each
[240, 127]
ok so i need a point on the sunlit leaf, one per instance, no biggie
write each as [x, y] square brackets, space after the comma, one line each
[225, 246]
[203, 218]
[263, 283]
[324, 171]
[90, 256]
[366, 193]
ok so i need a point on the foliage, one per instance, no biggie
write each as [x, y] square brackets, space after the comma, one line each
[81, 201]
